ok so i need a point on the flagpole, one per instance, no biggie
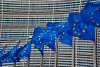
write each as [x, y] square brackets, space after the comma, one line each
[41, 61]
[56, 59]
[56, 53]
[14, 64]
[73, 53]
[28, 60]
[95, 50]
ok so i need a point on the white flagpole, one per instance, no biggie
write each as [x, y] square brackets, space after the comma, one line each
[56, 56]
[30, 37]
[76, 42]
[14, 64]
[41, 65]
[28, 60]
[56, 53]
[95, 50]
[73, 53]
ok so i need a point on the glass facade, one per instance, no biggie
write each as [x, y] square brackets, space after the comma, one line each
[18, 18]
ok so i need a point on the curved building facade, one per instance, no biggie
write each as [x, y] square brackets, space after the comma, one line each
[18, 18]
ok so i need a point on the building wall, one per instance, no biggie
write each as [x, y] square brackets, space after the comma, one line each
[18, 18]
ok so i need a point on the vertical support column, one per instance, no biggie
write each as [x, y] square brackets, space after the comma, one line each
[56, 56]
[95, 50]
[28, 60]
[14, 64]
[73, 53]
[41, 61]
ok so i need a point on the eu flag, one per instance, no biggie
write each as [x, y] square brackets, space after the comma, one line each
[23, 52]
[90, 14]
[49, 40]
[42, 29]
[40, 47]
[43, 37]
[36, 40]
[9, 56]
[1, 52]
[79, 29]
[61, 29]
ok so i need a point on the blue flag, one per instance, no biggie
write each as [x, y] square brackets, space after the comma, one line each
[42, 29]
[61, 29]
[1, 52]
[23, 52]
[38, 44]
[49, 40]
[79, 29]
[90, 14]
[9, 56]
[43, 37]
[40, 47]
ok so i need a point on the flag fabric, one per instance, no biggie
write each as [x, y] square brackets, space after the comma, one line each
[90, 13]
[38, 44]
[40, 47]
[61, 29]
[79, 29]
[43, 37]
[23, 52]
[49, 40]
[9, 56]
[1, 52]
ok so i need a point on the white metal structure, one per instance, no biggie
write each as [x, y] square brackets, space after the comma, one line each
[19, 17]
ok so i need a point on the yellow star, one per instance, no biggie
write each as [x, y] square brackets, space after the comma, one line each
[62, 36]
[74, 24]
[39, 36]
[59, 25]
[41, 33]
[92, 13]
[53, 31]
[91, 17]
[50, 42]
[97, 9]
[43, 43]
[25, 48]
[97, 24]
[75, 32]
[63, 32]
[73, 28]
[79, 34]
[83, 31]
[62, 26]
[76, 20]
[40, 42]
[93, 21]
[24, 51]
[85, 26]
[50, 35]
